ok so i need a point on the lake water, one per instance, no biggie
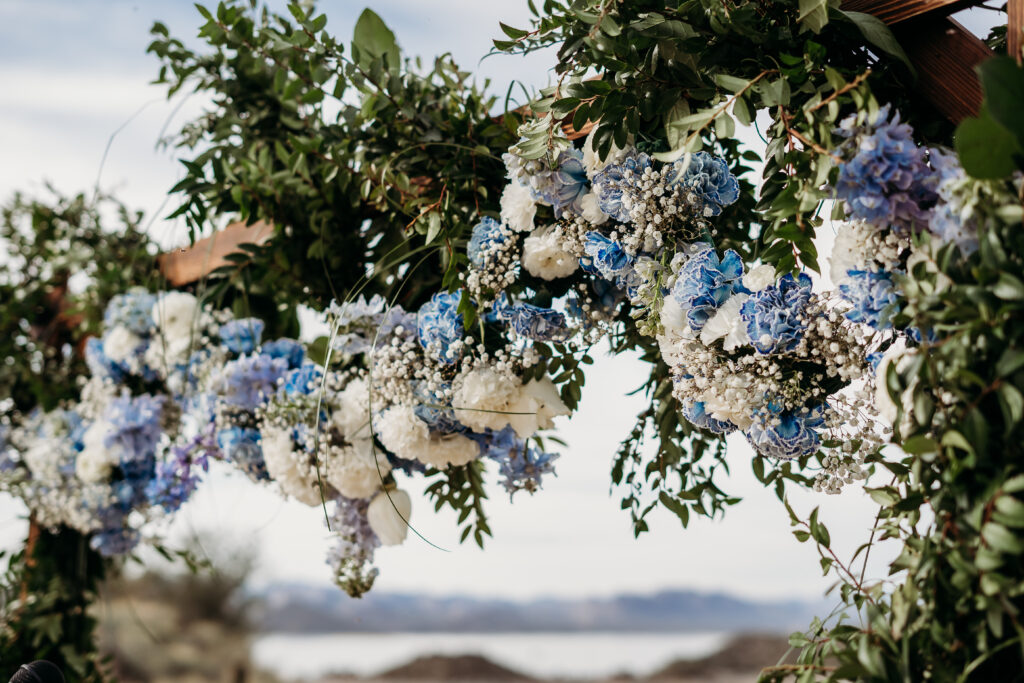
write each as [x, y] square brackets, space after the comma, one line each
[570, 655]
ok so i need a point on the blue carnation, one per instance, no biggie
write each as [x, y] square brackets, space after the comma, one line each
[440, 322]
[303, 380]
[607, 257]
[241, 446]
[242, 335]
[773, 314]
[615, 180]
[532, 322]
[488, 234]
[873, 295]
[794, 436]
[434, 409]
[569, 184]
[289, 350]
[697, 416]
[705, 282]
[885, 179]
[133, 309]
[709, 178]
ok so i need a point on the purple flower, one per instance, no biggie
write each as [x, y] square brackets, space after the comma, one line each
[247, 381]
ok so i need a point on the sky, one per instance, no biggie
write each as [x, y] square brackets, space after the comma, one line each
[74, 79]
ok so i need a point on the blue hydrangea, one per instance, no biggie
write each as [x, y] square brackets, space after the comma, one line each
[303, 380]
[772, 314]
[288, 349]
[241, 446]
[440, 322]
[794, 436]
[115, 540]
[135, 426]
[947, 224]
[709, 178]
[884, 178]
[873, 295]
[532, 322]
[607, 257]
[133, 309]
[247, 381]
[697, 416]
[242, 335]
[487, 236]
[616, 180]
[705, 282]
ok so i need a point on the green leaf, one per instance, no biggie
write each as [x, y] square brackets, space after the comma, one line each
[511, 32]
[986, 149]
[1009, 288]
[878, 34]
[1003, 82]
[373, 37]
[813, 14]
[675, 128]
[1002, 539]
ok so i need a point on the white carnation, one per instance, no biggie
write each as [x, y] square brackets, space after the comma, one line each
[518, 208]
[409, 437]
[544, 257]
[759, 277]
[401, 431]
[727, 324]
[175, 313]
[356, 470]
[120, 343]
[850, 251]
[442, 450]
[540, 397]
[284, 467]
[592, 212]
[388, 515]
[352, 416]
[483, 398]
[592, 163]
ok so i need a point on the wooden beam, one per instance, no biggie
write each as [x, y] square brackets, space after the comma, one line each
[1015, 28]
[945, 54]
[184, 266]
[896, 11]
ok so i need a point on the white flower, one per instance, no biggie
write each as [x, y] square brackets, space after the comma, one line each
[540, 400]
[759, 277]
[284, 468]
[352, 416]
[401, 431]
[727, 324]
[729, 399]
[849, 251]
[517, 207]
[483, 398]
[544, 257]
[592, 212]
[356, 470]
[175, 313]
[677, 340]
[94, 464]
[592, 163]
[120, 343]
[388, 515]
[442, 450]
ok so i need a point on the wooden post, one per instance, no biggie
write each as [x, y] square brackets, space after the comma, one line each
[184, 266]
[1014, 28]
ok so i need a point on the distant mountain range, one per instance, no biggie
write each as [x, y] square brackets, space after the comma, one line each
[305, 609]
